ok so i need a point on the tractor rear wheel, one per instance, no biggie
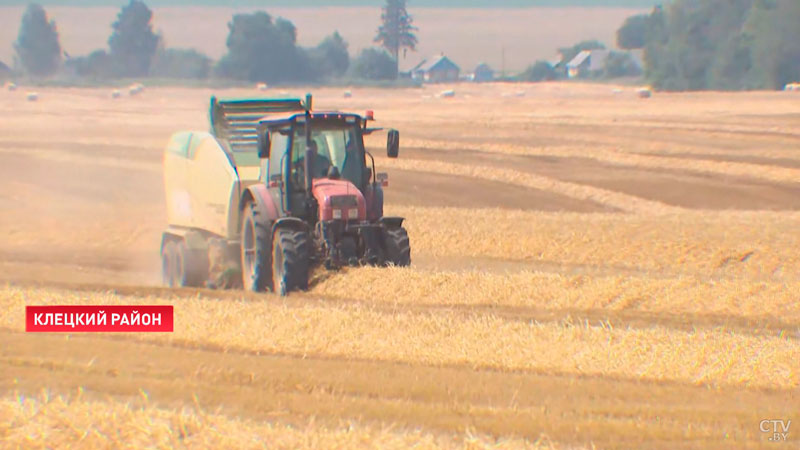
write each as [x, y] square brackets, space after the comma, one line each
[398, 247]
[256, 249]
[290, 260]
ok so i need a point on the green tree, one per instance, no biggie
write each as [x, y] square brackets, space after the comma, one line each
[397, 30]
[37, 45]
[722, 44]
[633, 33]
[375, 64]
[772, 32]
[540, 71]
[133, 43]
[96, 65]
[262, 50]
[331, 57]
[620, 64]
[180, 63]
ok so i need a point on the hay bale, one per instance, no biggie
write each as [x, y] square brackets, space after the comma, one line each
[348, 94]
[644, 92]
[135, 89]
[450, 93]
[792, 87]
[616, 91]
[11, 86]
[32, 96]
[116, 93]
[262, 86]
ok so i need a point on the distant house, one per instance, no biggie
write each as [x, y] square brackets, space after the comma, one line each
[586, 63]
[436, 70]
[483, 73]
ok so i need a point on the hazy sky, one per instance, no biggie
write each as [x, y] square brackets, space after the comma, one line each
[305, 3]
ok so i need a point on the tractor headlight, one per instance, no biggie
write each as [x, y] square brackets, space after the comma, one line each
[337, 213]
[352, 214]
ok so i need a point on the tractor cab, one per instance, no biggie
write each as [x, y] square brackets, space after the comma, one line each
[314, 152]
[335, 144]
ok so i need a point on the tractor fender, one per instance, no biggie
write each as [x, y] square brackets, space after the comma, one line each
[292, 223]
[259, 194]
[391, 222]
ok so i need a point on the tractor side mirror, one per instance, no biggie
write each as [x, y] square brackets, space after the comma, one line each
[263, 144]
[393, 144]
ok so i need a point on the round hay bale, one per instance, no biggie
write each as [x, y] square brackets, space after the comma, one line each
[348, 94]
[135, 89]
[116, 93]
[11, 86]
[32, 96]
[262, 86]
[450, 93]
[644, 92]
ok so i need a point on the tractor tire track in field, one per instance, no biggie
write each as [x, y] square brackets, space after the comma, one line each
[611, 199]
[614, 156]
[763, 325]
[603, 411]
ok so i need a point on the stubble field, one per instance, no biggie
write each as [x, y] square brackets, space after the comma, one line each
[589, 269]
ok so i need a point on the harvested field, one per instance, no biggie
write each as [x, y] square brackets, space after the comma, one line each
[589, 270]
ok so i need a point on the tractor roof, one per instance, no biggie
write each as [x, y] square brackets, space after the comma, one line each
[285, 119]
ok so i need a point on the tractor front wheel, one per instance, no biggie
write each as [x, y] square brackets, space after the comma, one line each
[398, 248]
[290, 260]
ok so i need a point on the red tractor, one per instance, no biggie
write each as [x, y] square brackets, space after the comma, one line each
[297, 192]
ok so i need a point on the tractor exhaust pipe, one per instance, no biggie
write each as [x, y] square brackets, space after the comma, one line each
[309, 153]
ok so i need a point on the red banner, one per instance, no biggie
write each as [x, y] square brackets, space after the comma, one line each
[93, 319]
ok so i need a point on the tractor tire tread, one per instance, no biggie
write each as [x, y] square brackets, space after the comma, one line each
[295, 270]
[398, 247]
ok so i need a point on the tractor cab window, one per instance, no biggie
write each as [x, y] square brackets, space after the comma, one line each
[279, 144]
[334, 144]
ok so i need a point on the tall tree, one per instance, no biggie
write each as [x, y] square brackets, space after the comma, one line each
[331, 56]
[263, 49]
[375, 64]
[396, 31]
[37, 44]
[773, 32]
[133, 43]
[633, 33]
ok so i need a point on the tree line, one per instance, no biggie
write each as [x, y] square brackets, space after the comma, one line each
[718, 44]
[260, 48]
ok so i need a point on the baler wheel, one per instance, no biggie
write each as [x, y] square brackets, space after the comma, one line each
[168, 260]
